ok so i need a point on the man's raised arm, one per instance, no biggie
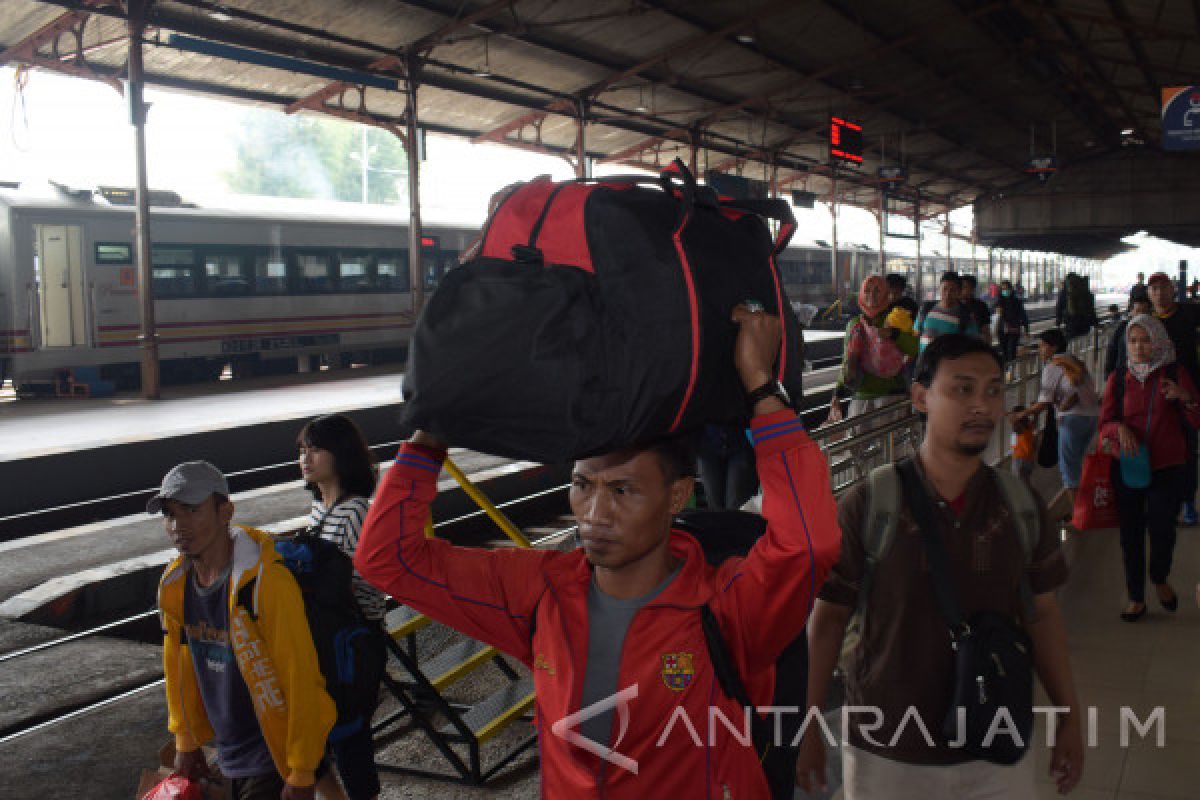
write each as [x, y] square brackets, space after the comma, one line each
[489, 595]
[770, 593]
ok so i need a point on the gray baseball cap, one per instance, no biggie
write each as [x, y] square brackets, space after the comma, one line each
[191, 482]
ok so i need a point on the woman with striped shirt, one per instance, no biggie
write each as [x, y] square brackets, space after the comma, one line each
[339, 471]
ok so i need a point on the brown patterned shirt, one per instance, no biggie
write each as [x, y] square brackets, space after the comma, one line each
[903, 657]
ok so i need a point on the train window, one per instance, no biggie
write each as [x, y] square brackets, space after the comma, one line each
[391, 272]
[174, 281]
[114, 253]
[226, 274]
[174, 271]
[270, 274]
[352, 273]
[314, 272]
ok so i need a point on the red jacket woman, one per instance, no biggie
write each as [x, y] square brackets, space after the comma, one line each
[1147, 405]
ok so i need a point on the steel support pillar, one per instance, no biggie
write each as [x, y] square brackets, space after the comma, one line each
[833, 255]
[148, 334]
[411, 134]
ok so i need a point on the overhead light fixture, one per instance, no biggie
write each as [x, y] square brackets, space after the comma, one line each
[1127, 132]
[486, 70]
[220, 13]
[745, 38]
[641, 103]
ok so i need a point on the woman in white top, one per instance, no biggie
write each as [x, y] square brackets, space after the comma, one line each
[339, 471]
[1068, 388]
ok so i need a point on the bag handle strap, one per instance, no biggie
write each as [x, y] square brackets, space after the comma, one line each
[729, 679]
[935, 550]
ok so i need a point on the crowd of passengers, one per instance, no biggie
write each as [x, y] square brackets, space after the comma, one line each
[627, 607]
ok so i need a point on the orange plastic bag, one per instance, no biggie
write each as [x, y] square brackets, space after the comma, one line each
[1096, 498]
[176, 787]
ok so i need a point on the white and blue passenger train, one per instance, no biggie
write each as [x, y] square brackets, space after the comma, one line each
[261, 291]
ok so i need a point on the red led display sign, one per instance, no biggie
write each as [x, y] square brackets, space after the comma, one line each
[845, 140]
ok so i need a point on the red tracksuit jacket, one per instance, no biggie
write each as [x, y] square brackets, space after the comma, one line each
[761, 601]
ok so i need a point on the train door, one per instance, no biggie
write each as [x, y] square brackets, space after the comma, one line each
[59, 260]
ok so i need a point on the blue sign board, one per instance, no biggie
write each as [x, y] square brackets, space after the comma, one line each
[1181, 118]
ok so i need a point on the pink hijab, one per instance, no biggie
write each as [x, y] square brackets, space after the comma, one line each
[873, 311]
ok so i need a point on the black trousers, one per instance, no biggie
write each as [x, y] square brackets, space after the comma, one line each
[1008, 345]
[1193, 464]
[1151, 510]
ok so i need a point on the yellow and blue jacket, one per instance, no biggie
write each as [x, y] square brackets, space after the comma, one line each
[275, 655]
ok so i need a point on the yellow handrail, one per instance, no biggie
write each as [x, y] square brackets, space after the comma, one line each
[489, 508]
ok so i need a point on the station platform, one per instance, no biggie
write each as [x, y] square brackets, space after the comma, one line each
[70, 424]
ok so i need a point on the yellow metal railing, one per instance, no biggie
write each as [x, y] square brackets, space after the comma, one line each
[497, 516]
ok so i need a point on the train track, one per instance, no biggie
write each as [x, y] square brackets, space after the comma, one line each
[38, 723]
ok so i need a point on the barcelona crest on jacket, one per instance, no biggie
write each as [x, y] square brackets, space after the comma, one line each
[677, 671]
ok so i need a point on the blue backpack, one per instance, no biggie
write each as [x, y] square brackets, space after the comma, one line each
[350, 649]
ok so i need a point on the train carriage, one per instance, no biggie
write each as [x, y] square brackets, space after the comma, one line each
[259, 291]
[262, 292]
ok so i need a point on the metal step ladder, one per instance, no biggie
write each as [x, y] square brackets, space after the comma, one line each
[419, 684]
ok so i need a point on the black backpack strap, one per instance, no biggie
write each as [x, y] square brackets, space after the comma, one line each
[939, 561]
[725, 669]
[245, 598]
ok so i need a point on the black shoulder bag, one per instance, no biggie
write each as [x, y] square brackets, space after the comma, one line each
[993, 656]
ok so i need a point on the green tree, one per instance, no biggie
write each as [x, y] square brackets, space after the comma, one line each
[315, 157]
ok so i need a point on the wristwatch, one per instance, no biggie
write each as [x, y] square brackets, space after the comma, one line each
[771, 388]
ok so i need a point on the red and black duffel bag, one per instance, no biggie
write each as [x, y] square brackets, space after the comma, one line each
[596, 315]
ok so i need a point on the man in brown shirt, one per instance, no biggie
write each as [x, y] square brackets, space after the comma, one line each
[904, 659]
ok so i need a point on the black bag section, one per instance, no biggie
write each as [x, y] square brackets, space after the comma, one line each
[1047, 454]
[581, 326]
[350, 648]
[993, 657]
[724, 534]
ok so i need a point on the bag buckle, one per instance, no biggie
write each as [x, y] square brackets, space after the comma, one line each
[525, 254]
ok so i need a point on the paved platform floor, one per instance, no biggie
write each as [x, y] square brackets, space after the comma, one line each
[66, 424]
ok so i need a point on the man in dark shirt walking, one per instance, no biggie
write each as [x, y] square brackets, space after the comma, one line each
[977, 308]
[960, 388]
[1181, 321]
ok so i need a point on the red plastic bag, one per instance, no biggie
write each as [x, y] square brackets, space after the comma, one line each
[1096, 499]
[176, 787]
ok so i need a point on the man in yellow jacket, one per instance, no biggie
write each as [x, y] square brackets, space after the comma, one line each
[240, 664]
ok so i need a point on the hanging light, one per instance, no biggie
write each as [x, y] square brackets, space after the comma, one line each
[484, 71]
[641, 103]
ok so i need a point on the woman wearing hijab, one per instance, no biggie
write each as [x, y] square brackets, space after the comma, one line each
[878, 342]
[1142, 418]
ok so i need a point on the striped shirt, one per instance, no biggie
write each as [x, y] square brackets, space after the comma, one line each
[341, 525]
[938, 321]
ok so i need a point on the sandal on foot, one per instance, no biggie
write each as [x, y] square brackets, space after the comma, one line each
[1134, 616]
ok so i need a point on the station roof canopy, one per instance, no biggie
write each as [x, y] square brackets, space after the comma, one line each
[959, 92]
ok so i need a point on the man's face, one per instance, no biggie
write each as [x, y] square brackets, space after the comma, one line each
[624, 506]
[1046, 350]
[1162, 294]
[948, 292]
[195, 528]
[964, 403]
